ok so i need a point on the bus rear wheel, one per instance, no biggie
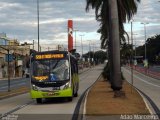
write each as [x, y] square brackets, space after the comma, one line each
[39, 100]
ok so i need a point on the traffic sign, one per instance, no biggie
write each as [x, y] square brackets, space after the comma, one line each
[10, 57]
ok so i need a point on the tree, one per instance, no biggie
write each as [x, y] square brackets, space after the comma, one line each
[110, 14]
[126, 9]
[100, 56]
[126, 52]
[153, 49]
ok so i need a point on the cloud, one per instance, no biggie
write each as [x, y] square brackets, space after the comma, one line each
[148, 12]
[19, 20]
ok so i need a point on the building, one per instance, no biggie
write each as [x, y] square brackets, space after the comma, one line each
[16, 55]
[13, 42]
[3, 42]
[3, 39]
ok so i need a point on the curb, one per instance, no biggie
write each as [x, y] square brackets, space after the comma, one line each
[151, 103]
[13, 94]
[147, 100]
[84, 105]
[79, 109]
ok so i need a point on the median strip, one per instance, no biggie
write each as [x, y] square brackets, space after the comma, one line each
[101, 101]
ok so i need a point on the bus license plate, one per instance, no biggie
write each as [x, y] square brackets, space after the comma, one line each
[53, 94]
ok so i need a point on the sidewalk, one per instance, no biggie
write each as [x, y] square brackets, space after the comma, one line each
[83, 70]
[13, 78]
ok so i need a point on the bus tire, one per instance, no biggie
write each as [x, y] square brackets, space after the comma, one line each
[39, 100]
[76, 94]
[70, 98]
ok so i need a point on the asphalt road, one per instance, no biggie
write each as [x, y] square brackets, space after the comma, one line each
[147, 85]
[25, 108]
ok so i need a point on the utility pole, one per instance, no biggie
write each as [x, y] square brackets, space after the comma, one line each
[82, 45]
[135, 45]
[33, 44]
[89, 53]
[38, 23]
[75, 38]
[40, 48]
[131, 57]
[145, 61]
[145, 39]
[93, 55]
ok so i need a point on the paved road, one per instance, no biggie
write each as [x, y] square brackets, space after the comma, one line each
[56, 109]
[148, 85]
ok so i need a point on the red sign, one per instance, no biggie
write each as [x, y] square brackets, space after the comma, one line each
[70, 37]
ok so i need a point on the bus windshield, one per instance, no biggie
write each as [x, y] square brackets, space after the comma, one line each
[51, 69]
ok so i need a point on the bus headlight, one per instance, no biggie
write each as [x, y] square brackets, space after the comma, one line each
[34, 87]
[66, 86]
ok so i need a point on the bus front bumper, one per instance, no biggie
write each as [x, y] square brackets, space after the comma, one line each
[50, 94]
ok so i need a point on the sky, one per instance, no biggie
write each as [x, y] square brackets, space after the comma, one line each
[18, 19]
[148, 13]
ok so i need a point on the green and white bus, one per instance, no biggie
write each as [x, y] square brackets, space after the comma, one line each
[53, 74]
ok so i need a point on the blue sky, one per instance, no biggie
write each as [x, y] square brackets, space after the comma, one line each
[18, 18]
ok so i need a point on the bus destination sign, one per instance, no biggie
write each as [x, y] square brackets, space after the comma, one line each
[48, 56]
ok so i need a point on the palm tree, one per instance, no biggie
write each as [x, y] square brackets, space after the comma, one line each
[126, 10]
[113, 13]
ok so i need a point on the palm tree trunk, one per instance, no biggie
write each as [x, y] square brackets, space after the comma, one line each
[116, 81]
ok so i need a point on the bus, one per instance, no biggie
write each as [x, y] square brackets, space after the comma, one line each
[53, 74]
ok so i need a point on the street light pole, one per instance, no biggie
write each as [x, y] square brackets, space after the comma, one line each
[145, 39]
[135, 54]
[38, 23]
[132, 57]
[93, 55]
[82, 45]
[8, 72]
[33, 44]
[89, 53]
[75, 37]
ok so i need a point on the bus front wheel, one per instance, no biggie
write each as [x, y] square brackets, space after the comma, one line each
[70, 98]
[39, 100]
[76, 94]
